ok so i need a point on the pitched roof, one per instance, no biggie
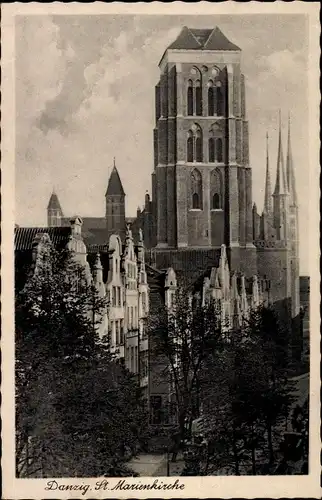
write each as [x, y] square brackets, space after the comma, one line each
[53, 203]
[198, 39]
[24, 236]
[94, 236]
[114, 184]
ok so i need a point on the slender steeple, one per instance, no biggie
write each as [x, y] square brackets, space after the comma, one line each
[268, 202]
[115, 186]
[281, 194]
[281, 182]
[290, 174]
[115, 205]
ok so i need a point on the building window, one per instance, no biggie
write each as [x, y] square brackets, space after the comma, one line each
[190, 98]
[216, 201]
[190, 147]
[216, 187]
[198, 146]
[211, 99]
[143, 365]
[211, 148]
[144, 302]
[113, 296]
[195, 201]
[219, 99]
[136, 360]
[219, 150]
[194, 144]
[198, 98]
[117, 332]
[196, 189]
[122, 331]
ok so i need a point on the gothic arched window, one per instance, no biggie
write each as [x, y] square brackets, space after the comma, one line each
[198, 98]
[190, 147]
[219, 99]
[195, 201]
[216, 189]
[211, 99]
[190, 98]
[211, 149]
[219, 150]
[198, 146]
[196, 189]
[215, 201]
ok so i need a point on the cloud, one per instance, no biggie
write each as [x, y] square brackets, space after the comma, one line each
[285, 65]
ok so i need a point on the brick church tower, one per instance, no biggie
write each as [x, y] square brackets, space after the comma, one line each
[115, 206]
[202, 181]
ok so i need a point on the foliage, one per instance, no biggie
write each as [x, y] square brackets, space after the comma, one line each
[77, 409]
[184, 335]
[246, 394]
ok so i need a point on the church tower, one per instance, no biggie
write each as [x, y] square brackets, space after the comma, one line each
[267, 230]
[281, 194]
[54, 211]
[202, 181]
[115, 205]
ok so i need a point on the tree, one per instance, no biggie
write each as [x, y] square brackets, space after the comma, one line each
[275, 399]
[183, 337]
[76, 407]
[246, 392]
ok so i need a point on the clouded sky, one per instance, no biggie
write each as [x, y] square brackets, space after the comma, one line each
[85, 93]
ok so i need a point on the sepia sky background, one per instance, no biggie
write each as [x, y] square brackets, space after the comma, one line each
[85, 93]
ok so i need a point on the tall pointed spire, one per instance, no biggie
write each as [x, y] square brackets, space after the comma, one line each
[290, 174]
[53, 203]
[115, 186]
[281, 182]
[268, 202]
